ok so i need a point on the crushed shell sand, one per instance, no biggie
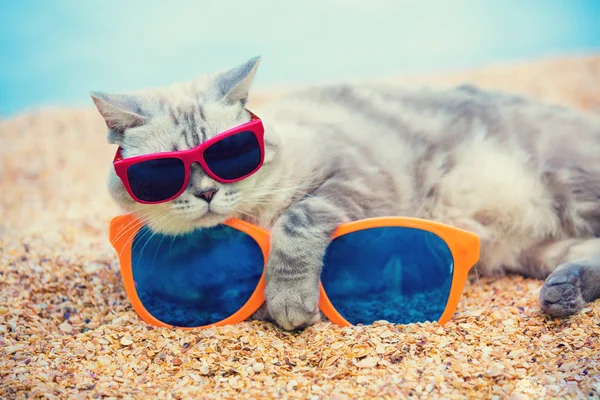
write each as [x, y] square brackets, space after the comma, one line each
[68, 331]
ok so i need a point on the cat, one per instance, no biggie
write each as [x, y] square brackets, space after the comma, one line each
[523, 175]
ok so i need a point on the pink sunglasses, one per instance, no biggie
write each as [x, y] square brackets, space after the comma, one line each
[228, 157]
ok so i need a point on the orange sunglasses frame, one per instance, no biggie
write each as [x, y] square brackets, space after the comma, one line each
[463, 245]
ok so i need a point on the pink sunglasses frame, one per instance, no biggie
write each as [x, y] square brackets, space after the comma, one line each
[190, 156]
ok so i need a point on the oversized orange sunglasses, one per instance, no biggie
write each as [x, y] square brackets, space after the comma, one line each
[398, 269]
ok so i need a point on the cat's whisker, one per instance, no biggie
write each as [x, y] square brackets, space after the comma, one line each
[128, 228]
[161, 222]
[288, 185]
[281, 187]
[158, 246]
[175, 236]
[272, 193]
[267, 200]
[132, 244]
[153, 233]
[132, 228]
[309, 177]
[243, 213]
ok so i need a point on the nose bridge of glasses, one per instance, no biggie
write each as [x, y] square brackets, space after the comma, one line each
[199, 178]
[201, 185]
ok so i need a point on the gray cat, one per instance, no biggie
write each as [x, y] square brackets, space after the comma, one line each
[523, 175]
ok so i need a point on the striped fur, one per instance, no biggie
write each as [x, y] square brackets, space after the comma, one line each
[524, 176]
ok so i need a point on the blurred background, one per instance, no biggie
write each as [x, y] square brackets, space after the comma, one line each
[55, 52]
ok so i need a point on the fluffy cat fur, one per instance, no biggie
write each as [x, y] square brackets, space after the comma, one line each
[523, 175]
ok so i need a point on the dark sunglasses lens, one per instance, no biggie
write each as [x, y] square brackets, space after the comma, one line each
[401, 275]
[156, 180]
[195, 279]
[234, 157]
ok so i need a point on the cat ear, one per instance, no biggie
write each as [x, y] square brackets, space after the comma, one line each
[119, 111]
[233, 85]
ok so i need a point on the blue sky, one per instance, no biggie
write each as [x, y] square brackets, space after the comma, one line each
[55, 52]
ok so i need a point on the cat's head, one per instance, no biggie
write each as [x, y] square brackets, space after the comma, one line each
[180, 117]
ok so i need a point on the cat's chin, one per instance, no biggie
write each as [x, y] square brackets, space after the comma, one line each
[208, 220]
[180, 225]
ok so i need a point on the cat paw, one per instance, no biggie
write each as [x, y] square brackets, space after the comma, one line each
[293, 308]
[561, 294]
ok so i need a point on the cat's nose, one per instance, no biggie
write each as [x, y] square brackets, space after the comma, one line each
[206, 194]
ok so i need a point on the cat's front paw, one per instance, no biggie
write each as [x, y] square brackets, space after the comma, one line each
[561, 294]
[293, 306]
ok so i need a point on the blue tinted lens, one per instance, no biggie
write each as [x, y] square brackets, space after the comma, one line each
[401, 275]
[156, 180]
[233, 157]
[195, 279]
